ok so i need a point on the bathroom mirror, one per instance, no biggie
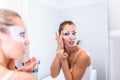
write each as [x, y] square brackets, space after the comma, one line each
[90, 17]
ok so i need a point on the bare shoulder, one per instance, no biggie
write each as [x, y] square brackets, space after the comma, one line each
[22, 76]
[83, 57]
[83, 53]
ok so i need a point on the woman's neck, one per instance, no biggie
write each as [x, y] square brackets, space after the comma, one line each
[72, 50]
[11, 64]
[7, 63]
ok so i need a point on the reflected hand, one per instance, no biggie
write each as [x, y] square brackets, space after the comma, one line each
[29, 65]
[61, 54]
[59, 41]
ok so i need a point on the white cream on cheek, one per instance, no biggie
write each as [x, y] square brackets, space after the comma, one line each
[68, 35]
[15, 32]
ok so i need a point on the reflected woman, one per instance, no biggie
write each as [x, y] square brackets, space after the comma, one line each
[72, 58]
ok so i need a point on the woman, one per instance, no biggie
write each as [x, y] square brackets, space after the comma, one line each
[13, 44]
[73, 59]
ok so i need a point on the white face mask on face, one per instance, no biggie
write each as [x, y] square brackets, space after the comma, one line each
[68, 34]
[17, 33]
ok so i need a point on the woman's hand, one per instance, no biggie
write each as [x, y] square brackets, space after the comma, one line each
[61, 54]
[59, 41]
[29, 65]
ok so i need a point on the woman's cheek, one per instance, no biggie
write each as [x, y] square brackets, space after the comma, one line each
[18, 38]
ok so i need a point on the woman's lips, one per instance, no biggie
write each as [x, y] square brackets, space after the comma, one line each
[71, 42]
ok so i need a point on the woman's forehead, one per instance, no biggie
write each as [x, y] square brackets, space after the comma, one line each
[17, 28]
[68, 27]
[68, 30]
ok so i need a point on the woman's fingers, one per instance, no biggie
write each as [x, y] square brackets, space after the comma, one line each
[65, 55]
[30, 61]
[57, 36]
[61, 54]
[59, 40]
[58, 53]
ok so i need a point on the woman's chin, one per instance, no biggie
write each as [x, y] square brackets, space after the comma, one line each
[20, 57]
[71, 46]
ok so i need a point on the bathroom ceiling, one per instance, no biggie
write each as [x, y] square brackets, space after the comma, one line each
[67, 3]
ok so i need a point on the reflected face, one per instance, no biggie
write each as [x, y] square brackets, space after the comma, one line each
[15, 44]
[17, 33]
[69, 35]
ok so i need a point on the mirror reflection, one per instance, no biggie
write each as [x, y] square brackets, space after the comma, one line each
[90, 18]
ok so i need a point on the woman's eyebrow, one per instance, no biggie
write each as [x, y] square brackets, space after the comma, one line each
[74, 31]
[23, 32]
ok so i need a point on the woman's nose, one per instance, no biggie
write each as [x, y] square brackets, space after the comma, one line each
[72, 37]
[27, 42]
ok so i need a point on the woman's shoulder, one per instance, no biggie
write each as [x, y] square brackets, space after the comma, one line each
[83, 56]
[82, 52]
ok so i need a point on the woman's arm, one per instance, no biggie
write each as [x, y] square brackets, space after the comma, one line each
[55, 67]
[56, 64]
[66, 71]
[79, 67]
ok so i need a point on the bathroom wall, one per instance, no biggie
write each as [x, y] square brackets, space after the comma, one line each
[114, 25]
[43, 21]
[7, 4]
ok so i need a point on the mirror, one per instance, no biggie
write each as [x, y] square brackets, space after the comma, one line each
[90, 17]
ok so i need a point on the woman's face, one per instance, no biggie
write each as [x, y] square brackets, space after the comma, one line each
[69, 35]
[14, 44]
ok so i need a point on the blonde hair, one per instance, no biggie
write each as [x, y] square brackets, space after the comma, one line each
[7, 18]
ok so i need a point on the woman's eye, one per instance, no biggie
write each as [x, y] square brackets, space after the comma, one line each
[22, 34]
[74, 33]
[66, 34]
